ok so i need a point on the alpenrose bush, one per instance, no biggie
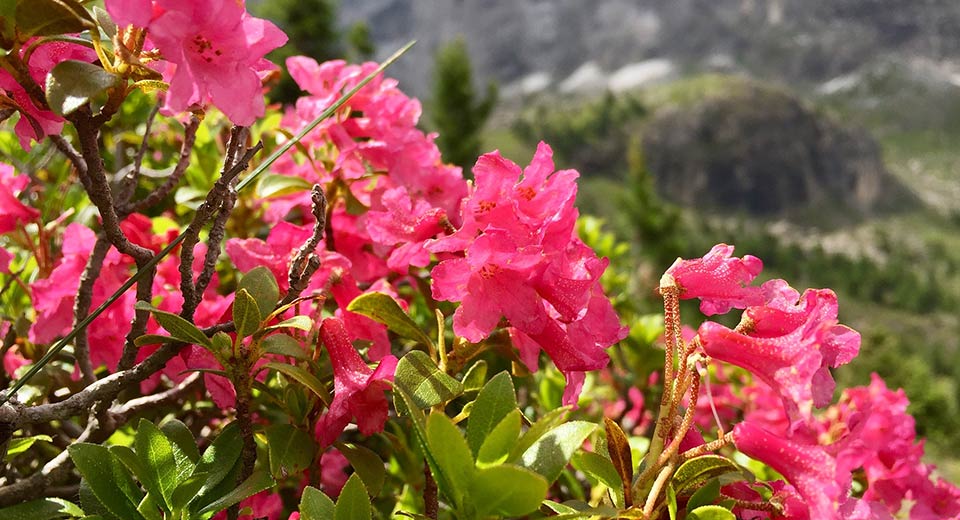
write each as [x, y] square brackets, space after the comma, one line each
[367, 325]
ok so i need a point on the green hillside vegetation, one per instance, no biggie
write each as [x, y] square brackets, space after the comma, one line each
[897, 272]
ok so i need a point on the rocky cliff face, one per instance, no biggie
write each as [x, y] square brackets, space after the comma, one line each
[760, 151]
[530, 44]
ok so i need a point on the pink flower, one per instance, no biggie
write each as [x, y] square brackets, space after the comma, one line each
[811, 470]
[718, 280]
[523, 262]
[216, 49]
[358, 389]
[275, 253]
[406, 224]
[791, 347]
[38, 122]
[5, 258]
[491, 282]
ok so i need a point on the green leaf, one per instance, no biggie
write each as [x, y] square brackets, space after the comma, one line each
[284, 345]
[178, 327]
[496, 447]
[405, 406]
[303, 377]
[600, 468]
[108, 479]
[187, 490]
[495, 401]
[71, 84]
[262, 286]
[426, 384]
[314, 505]
[475, 377]
[259, 481]
[672, 502]
[618, 447]
[156, 457]
[704, 496]
[367, 464]
[291, 449]
[303, 323]
[279, 185]
[695, 472]
[246, 314]
[22, 444]
[384, 309]
[353, 503]
[136, 465]
[539, 428]
[222, 344]
[453, 457]
[183, 442]
[507, 490]
[104, 21]
[550, 453]
[43, 509]
[219, 458]
[711, 513]
[51, 17]
[90, 504]
[153, 339]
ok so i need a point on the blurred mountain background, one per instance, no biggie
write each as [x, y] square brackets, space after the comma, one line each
[819, 135]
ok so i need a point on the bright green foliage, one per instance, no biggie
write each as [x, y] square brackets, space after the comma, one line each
[163, 476]
[455, 109]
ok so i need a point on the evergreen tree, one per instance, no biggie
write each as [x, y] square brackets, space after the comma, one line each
[456, 112]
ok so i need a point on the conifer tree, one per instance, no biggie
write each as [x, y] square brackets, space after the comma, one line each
[457, 113]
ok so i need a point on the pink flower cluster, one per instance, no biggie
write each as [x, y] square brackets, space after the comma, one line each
[788, 342]
[37, 122]
[521, 260]
[213, 50]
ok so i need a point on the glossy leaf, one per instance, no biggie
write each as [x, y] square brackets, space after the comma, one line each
[353, 503]
[22, 444]
[551, 453]
[51, 17]
[184, 444]
[279, 185]
[424, 381]
[453, 457]
[367, 464]
[291, 450]
[303, 323]
[303, 377]
[157, 461]
[384, 309]
[495, 401]
[246, 313]
[187, 490]
[704, 496]
[314, 505]
[219, 458]
[108, 479]
[618, 447]
[259, 481]
[43, 509]
[496, 447]
[695, 472]
[260, 283]
[538, 429]
[711, 513]
[672, 502]
[601, 469]
[178, 327]
[475, 377]
[71, 84]
[507, 490]
[284, 345]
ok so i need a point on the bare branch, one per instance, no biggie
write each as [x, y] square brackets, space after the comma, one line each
[124, 412]
[81, 307]
[183, 162]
